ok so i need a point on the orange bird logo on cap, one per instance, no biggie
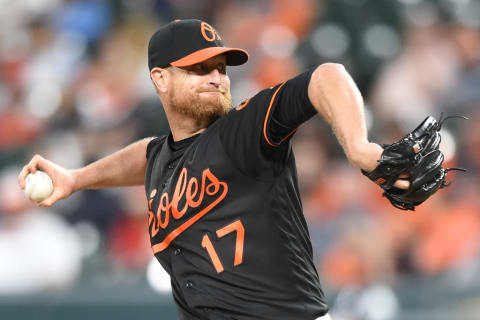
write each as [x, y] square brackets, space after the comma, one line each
[212, 34]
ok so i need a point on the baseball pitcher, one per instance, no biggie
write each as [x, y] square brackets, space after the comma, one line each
[225, 217]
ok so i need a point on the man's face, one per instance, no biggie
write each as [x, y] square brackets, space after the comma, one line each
[201, 91]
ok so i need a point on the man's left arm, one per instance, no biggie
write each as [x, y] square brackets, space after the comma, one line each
[335, 96]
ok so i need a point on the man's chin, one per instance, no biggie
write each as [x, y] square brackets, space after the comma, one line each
[209, 113]
[205, 107]
[215, 106]
[211, 98]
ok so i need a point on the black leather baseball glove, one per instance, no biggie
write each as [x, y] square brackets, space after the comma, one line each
[417, 158]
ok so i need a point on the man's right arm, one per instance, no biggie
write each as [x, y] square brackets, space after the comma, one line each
[123, 168]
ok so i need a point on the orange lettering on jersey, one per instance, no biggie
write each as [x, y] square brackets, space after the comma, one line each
[151, 222]
[153, 193]
[192, 189]
[178, 194]
[208, 32]
[163, 206]
[210, 185]
[238, 227]
[154, 228]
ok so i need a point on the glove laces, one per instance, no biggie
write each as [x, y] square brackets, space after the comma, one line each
[442, 120]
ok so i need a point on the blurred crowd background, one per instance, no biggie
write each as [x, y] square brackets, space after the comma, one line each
[74, 87]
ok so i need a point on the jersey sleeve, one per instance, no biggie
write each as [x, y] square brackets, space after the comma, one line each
[256, 133]
[154, 144]
[289, 109]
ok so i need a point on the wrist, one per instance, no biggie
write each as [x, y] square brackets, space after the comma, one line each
[365, 155]
[76, 180]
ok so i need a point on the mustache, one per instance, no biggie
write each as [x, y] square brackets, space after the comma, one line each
[219, 90]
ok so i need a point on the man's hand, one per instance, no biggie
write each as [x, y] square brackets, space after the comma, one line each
[63, 179]
[366, 156]
[417, 157]
[123, 168]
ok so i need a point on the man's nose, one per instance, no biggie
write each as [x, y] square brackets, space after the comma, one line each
[214, 78]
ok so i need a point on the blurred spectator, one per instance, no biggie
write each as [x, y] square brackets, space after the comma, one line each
[89, 19]
[129, 244]
[409, 87]
[463, 97]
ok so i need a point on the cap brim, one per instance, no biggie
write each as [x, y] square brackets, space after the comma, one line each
[235, 56]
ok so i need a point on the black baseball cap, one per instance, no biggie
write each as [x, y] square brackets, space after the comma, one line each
[185, 42]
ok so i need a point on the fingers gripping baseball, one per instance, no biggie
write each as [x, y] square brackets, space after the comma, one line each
[37, 163]
[62, 179]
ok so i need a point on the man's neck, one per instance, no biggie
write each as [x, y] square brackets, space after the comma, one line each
[181, 135]
[184, 127]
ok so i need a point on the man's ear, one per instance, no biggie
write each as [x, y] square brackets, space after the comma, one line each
[159, 78]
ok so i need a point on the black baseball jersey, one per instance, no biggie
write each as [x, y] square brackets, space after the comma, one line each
[225, 216]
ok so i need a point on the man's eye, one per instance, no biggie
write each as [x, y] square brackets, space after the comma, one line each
[198, 67]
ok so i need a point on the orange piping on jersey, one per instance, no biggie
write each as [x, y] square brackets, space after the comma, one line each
[214, 187]
[268, 114]
[266, 121]
[288, 135]
[242, 105]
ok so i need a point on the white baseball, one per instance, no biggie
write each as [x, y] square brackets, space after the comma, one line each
[38, 186]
